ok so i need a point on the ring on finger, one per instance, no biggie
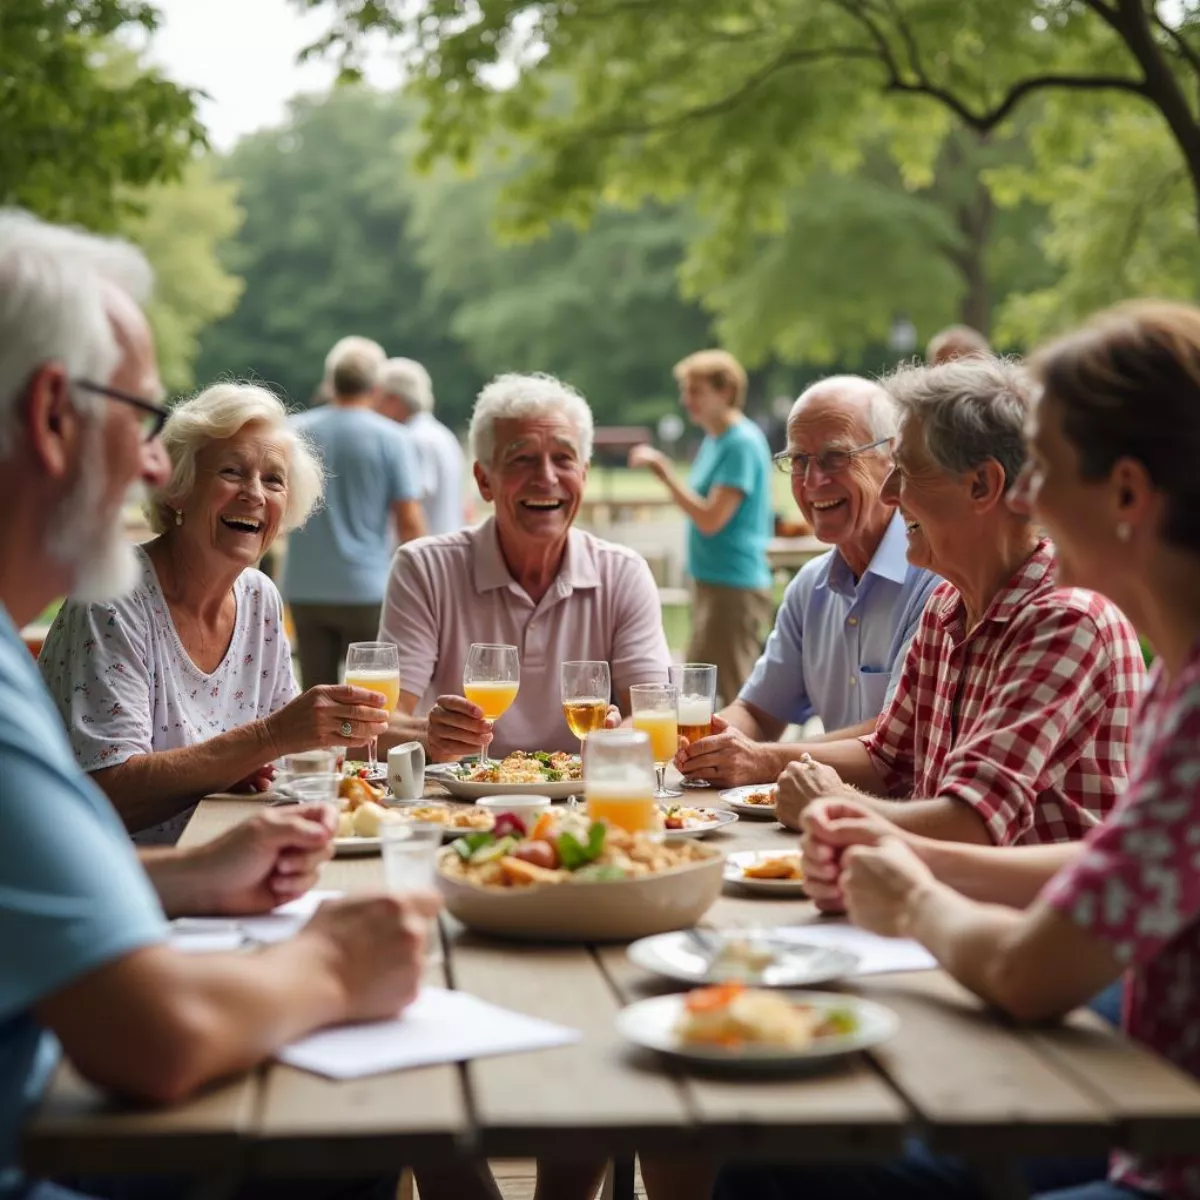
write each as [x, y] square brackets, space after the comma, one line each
[347, 729]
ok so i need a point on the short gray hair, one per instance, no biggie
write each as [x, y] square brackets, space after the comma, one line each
[518, 396]
[970, 410]
[406, 379]
[53, 307]
[218, 412]
[361, 355]
[882, 416]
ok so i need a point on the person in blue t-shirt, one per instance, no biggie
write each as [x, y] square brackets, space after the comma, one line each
[727, 501]
[336, 572]
[88, 969]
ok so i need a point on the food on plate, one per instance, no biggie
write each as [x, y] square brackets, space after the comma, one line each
[732, 1015]
[677, 816]
[452, 818]
[365, 821]
[535, 766]
[742, 957]
[778, 866]
[764, 799]
[355, 791]
[564, 848]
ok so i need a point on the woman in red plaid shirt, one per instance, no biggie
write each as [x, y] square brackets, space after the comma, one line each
[1115, 438]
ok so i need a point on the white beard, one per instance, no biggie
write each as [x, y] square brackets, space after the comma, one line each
[89, 542]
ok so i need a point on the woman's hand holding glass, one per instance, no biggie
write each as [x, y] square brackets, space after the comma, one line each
[321, 716]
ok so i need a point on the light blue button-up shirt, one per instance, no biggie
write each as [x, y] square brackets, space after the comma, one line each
[838, 645]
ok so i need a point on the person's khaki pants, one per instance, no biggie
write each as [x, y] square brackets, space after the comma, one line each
[323, 631]
[729, 626]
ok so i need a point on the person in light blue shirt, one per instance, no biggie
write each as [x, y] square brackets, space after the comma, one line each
[336, 572]
[727, 501]
[842, 632]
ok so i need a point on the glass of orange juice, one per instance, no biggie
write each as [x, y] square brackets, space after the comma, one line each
[619, 779]
[491, 679]
[655, 708]
[376, 667]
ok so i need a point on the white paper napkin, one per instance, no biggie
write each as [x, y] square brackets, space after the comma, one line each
[202, 935]
[877, 955]
[440, 1026]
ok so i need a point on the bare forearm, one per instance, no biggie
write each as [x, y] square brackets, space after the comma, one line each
[404, 727]
[180, 880]
[851, 732]
[757, 728]
[1012, 875]
[150, 788]
[698, 508]
[847, 756]
[941, 819]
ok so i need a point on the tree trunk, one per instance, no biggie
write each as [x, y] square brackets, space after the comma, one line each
[975, 221]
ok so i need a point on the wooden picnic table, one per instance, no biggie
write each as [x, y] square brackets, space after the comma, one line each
[791, 553]
[970, 1082]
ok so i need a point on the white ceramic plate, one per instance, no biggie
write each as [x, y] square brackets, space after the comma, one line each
[355, 847]
[735, 798]
[700, 829]
[446, 775]
[795, 964]
[651, 1024]
[735, 865]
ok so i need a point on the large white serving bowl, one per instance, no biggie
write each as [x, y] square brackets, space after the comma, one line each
[610, 911]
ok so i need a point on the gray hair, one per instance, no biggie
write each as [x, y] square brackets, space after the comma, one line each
[361, 355]
[406, 379]
[517, 396]
[53, 307]
[879, 411]
[970, 410]
[221, 411]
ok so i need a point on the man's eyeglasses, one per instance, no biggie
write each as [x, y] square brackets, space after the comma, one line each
[831, 462]
[153, 418]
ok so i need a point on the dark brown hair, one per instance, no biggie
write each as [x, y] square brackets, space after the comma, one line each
[1128, 386]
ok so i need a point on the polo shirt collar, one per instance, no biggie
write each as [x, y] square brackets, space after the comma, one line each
[578, 570]
[890, 560]
[1011, 599]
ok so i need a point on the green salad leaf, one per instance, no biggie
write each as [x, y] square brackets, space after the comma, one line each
[573, 853]
[600, 872]
[465, 847]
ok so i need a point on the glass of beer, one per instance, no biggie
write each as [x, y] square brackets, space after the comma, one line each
[586, 687]
[491, 679]
[655, 708]
[619, 780]
[697, 684]
[376, 667]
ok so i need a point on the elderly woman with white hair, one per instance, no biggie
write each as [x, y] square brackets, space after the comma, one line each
[525, 577]
[184, 686]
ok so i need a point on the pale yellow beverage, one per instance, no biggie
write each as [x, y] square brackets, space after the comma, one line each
[387, 682]
[663, 731]
[494, 698]
[585, 716]
[624, 805]
[695, 717]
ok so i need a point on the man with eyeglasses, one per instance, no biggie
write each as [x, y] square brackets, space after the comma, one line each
[846, 620]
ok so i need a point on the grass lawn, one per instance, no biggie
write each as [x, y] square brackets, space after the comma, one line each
[620, 483]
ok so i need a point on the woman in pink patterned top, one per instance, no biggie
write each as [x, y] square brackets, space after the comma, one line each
[1038, 930]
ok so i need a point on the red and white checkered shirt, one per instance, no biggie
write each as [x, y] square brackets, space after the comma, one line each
[1026, 717]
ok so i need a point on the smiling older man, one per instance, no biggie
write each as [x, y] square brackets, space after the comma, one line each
[525, 577]
[1011, 721]
[847, 618]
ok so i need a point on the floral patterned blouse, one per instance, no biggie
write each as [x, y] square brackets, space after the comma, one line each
[124, 685]
[1137, 887]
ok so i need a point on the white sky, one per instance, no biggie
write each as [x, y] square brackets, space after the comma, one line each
[243, 54]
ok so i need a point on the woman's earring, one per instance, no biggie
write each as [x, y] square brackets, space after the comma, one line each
[1124, 530]
[179, 516]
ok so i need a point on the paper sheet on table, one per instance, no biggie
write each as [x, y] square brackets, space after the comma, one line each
[876, 954]
[440, 1026]
[211, 934]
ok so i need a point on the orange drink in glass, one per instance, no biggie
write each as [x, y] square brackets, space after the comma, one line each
[376, 667]
[619, 780]
[494, 698]
[655, 708]
[491, 679]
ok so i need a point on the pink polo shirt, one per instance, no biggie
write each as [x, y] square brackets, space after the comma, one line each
[446, 592]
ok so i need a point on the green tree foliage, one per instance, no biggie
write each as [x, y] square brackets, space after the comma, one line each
[747, 106]
[180, 226]
[76, 132]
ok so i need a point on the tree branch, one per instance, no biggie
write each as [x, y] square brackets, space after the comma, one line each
[1185, 48]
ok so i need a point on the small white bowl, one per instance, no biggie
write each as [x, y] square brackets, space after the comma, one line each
[528, 808]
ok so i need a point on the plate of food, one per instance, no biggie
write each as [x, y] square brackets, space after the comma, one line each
[456, 820]
[772, 872]
[754, 800]
[357, 769]
[682, 820]
[732, 1025]
[362, 812]
[554, 774]
[741, 955]
[573, 879]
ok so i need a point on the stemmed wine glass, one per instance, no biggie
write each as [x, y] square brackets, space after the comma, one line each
[586, 687]
[376, 667]
[491, 679]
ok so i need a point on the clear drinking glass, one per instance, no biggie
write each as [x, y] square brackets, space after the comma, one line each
[586, 687]
[697, 687]
[314, 785]
[311, 762]
[619, 781]
[491, 679]
[655, 708]
[376, 667]
[409, 852]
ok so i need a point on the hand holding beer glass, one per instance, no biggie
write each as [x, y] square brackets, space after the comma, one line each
[491, 679]
[586, 687]
[655, 708]
[697, 687]
[619, 780]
